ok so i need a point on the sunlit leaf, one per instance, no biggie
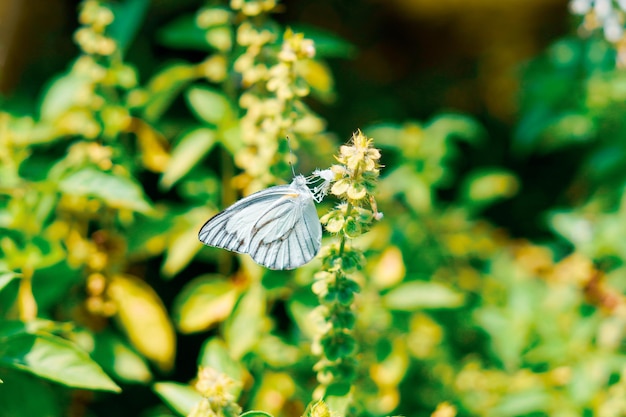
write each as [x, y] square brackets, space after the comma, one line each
[61, 95]
[118, 359]
[255, 413]
[243, 327]
[215, 354]
[567, 129]
[182, 242]
[390, 268]
[56, 359]
[531, 401]
[209, 105]
[38, 326]
[455, 126]
[189, 150]
[204, 302]
[487, 185]
[143, 317]
[180, 397]
[113, 190]
[164, 87]
[319, 77]
[302, 315]
[273, 392]
[6, 277]
[276, 352]
[415, 295]
[153, 145]
[386, 134]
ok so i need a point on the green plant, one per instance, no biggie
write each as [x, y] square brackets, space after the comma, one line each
[109, 304]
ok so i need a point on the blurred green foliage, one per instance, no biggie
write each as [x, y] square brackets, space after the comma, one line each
[110, 305]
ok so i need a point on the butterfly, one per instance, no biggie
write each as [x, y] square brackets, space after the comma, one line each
[278, 227]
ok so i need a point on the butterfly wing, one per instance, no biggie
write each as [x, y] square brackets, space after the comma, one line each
[289, 234]
[232, 228]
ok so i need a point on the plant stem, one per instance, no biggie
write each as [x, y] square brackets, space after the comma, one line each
[342, 244]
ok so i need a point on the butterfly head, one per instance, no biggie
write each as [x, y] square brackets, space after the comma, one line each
[321, 180]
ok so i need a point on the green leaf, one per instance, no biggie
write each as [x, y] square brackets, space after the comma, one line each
[416, 295]
[182, 242]
[568, 129]
[484, 186]
[204, 302]
[301, 312]
[209, 105]
[6, 277]
[215, 354]
[243, 327]
[180, 397]
[529, 129]
[115, 191]
[119, 359]
[144, 318]
[183, 33]
[533, 401]
[26, 395]
[189, 150]
[164, 87]
[56, 359]
[254, 413]
[129, 16]
[455, 126]
[338, 403]
[10, 328]
[386, 134]
[60, 95]
[327, 44]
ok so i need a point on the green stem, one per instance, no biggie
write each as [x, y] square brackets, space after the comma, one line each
[342, 244]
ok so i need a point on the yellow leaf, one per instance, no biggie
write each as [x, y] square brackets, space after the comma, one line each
[356, 191]
[390, 269]
[340, 187]
[143, 318]
[204, 302]
[182, 242]
[152, 144]
[318, 76]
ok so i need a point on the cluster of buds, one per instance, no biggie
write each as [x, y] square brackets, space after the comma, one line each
[253, 8]
[272, 102]
[355, 177]
[216, 21]
[101, 72]
[218, 401]
[357, 174]
[95, 17]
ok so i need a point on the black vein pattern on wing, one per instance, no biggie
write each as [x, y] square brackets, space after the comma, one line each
[223, 225]
[293, 225]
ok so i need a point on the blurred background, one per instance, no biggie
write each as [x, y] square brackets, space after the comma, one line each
[407, 60]
[493, 286]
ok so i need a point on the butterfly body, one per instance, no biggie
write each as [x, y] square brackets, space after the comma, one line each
[278, 227]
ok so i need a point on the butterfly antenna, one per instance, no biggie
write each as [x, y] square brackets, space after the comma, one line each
[290, 157]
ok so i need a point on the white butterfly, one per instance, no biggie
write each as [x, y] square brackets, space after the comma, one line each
[277, 226]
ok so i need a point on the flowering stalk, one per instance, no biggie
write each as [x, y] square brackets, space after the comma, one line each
[272, 99]
[356, 176]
